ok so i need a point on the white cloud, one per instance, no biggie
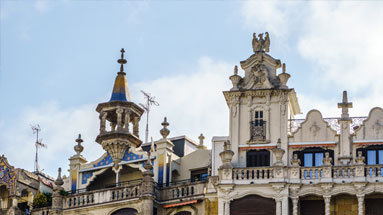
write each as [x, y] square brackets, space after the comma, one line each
[275, 17]
[342, 42]
[42, 6]
[192, 101]
[60, 128]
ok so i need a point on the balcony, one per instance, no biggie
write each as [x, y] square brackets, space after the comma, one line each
[182, 190]
[111, 193]
[257, 131]
[309, 175]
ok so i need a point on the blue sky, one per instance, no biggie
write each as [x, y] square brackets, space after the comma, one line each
[58, 61]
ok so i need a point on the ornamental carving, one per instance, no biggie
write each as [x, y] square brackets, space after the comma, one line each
[261, 44]
[7, 174]
[377, 127]
[259, 73]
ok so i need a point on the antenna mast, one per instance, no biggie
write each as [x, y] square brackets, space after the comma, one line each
[36, 129]
[149, 102]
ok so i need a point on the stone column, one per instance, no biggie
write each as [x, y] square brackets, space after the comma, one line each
[117, 171]
[147, 194]
[295, 201]
[119, 112]
[227, 207]
[278, 206]
[57, 198]
[360, 204]
[327, 200]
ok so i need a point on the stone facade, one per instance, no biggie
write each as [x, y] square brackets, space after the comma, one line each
[269, 163]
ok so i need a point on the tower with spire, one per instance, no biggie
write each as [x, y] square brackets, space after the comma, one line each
[119, 120]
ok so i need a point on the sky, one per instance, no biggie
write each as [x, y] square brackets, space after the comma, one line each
[58, 61]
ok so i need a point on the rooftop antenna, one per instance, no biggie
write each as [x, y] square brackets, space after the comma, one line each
[149, 102]
[36, 129]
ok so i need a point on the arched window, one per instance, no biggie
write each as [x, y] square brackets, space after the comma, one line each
[183, 213]
[256, 158]
[125, 211]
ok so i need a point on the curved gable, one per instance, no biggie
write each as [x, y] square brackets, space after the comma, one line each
[314, 129]
[372, 127]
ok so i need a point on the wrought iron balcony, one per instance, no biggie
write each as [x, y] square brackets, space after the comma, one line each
[257, 130]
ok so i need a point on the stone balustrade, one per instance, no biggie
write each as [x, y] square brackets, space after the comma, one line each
[343, 171]
[311, 174]
[102, 196]
[182, 190]
[252, 173]
[372, 171]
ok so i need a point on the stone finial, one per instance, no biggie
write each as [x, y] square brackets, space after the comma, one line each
[278, 153]
[165, 131]
[78, 148]
[148, 165]
[59, 180]
[235, 79]
[260, 44]
[226, 156]
[345, 105]
[284, 77]
[122, 61]
[201, 138]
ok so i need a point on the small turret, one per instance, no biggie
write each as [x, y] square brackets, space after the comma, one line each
[121, 113]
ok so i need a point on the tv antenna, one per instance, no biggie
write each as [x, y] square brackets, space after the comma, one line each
[36, 129]
[149, 102]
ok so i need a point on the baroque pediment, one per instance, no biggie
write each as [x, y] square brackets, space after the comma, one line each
[260, 72]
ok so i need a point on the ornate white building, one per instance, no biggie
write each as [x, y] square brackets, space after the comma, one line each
[270, 162]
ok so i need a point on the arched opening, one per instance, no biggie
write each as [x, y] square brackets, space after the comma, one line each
[4, 197]
[373, 204]
[252, 204]
[183, 213]
[344, 204]
[125, 211]
[107, 179]
[257, 158]
[311, 205]
[25, 201]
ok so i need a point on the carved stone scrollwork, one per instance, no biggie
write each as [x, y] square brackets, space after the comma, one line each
[260, 74]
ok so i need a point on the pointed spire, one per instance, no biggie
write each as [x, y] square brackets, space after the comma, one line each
[120, 89]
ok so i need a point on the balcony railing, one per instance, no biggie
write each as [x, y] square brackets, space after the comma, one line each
[310, 174]
[181, 190]
[252, 173]
[257, 131]
[118, 192]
